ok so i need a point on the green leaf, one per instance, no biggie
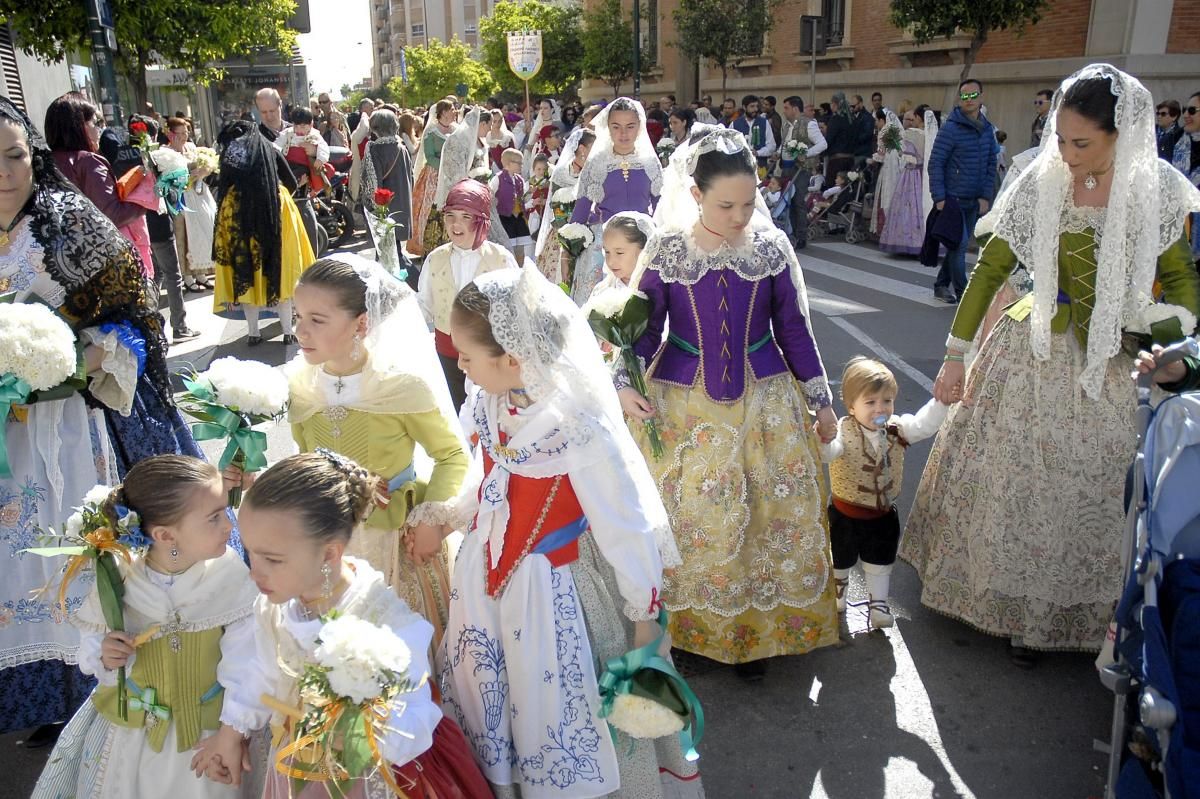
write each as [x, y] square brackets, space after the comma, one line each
[111, 589]
[356, 752]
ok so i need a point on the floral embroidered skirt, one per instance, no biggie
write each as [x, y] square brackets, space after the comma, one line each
[746, 494]
[422, 202]
[296, 255]
[1017, 524]
[519, 675]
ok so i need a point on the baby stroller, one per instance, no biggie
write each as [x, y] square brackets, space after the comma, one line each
[781, 214]
[845, 213]
[1156, 676]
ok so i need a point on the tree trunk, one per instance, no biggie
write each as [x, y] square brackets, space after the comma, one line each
[136, 74]
[977, 43]
[724, 80]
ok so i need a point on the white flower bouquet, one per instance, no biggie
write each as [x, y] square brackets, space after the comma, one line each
[574, 238]
[206, 158]
[171, 168]
[666, 146]
[851, 177]
[227, 401]
[37, 354]
[793, 151]
[346, 700]
[562, 203]
[1153, 322]
[619, 316]
[481, 173]
[644, 696]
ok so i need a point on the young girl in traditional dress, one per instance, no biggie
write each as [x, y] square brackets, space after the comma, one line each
[565, 175]
[569, 527]
[622, 173]
[732, 388]
[468, 215]
[187, 608]
[625, 236]
[297, 520]
[866, 472]
[357, 393]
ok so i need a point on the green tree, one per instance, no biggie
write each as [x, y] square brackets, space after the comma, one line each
[929, 19]
[186, 34]
[725, 32]
[608, 44]
[436, 70]
[562, 60]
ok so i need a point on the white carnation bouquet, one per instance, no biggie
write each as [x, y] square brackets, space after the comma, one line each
[37, 354]
[574, 238]
[1150, 322]
[227, 401]
[206, 158]
[562, 203]
[481, 173]
[346, 697]
[793, 151]
[665, 148]
[172, 177]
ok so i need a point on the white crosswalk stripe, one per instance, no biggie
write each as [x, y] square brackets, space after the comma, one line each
[923, 295]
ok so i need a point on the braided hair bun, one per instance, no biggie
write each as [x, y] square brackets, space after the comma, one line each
[332, 493]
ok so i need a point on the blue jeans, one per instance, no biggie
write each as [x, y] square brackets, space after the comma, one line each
[954, 265]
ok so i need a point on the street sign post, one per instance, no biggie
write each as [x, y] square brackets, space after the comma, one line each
[104, 44]
[812, 44]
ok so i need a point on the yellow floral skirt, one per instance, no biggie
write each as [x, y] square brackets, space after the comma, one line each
[297, 254]
[424, 191]
[746, 494]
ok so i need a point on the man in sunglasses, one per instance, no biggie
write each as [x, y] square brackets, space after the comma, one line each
[962, 170]
[1169, 128]
[1041, 104]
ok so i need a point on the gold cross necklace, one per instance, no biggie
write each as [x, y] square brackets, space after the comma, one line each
[5, 238]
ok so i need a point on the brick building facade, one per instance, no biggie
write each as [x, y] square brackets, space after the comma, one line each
[1157, 40]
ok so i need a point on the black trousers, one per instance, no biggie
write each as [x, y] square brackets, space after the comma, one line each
[873, 541]
[456, 380]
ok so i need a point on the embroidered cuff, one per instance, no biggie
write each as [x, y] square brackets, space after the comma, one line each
[434, 513]
[959, 344]
[634, 613]
[115, 382]
[816, 392]
[621, 374]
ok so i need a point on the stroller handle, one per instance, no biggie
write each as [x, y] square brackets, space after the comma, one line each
[1168, 356]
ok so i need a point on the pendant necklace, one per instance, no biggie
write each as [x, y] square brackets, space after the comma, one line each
[1090, 182]
[5, 238]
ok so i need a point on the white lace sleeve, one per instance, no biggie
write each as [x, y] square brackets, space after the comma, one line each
[924, 423]
[247, 671]
[115, 381]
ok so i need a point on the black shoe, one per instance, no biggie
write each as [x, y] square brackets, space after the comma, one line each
[43, 736]
[944, 294]
[289, 340]
[754, 671]
[253, 341]
[1022, 657]
[185, 333]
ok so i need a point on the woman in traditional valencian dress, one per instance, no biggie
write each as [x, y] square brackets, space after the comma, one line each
[1016, 527]
[732, 389]
[354, 393]
[429, 161]
[622, 173]
[561, 570]
[904, 217]
[565, 175]
[58, 249]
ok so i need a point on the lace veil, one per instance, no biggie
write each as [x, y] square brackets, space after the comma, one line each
[457, 155]
[430, 123]
[561, 365]
[560, 177]
[931, 132]
[677, 209]
[602, 159]
[1146, 210]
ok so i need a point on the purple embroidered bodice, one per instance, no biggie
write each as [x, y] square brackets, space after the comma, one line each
[739, 308]
[619, 195]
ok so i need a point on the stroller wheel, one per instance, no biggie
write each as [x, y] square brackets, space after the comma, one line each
[853, 235]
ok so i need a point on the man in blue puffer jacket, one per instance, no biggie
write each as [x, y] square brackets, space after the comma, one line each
[963, 166]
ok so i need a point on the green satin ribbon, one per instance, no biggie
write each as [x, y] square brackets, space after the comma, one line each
[13, 391]
[618, 678]
[146, 700]
[692, 349]
[227, 424]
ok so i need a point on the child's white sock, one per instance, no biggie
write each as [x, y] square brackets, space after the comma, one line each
[879, 580]
[284, 309]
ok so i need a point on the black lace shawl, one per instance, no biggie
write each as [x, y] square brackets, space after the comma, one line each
[83, 251]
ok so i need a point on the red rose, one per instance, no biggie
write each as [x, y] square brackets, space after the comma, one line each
[139, 128]
[384, 196]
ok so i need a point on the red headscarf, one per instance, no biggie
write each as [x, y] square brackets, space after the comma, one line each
[474, 198]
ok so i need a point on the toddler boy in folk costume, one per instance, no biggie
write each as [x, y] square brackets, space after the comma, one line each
[467, 214]
[866, 474]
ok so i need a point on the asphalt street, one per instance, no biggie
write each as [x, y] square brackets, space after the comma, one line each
[930, 708]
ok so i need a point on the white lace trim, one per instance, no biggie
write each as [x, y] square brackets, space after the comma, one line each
[959, 344]
[35, 653]
[433, 513]
[634, 613]
[1080, 219]
[115, 382]
[816, 391]
[678, 257]
[598, 168]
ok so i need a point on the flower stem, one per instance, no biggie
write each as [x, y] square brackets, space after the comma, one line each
[235, 493]
[638, 381]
